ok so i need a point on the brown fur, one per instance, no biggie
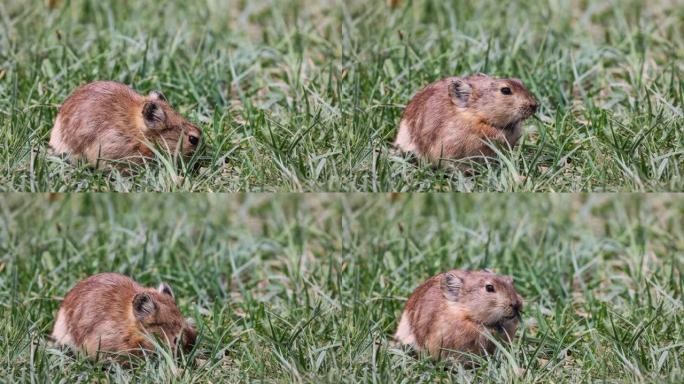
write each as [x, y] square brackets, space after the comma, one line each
[98, 315]
[436, 126]
[439, 321]
[104, 120]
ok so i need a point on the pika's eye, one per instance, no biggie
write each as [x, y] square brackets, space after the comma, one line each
[506, 91]
[489, 288]
[194, 140]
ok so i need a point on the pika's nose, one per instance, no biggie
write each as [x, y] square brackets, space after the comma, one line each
[533, 107]
[517, 305]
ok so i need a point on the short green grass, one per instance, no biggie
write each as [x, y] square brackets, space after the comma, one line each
[306, 95]
[308, 288]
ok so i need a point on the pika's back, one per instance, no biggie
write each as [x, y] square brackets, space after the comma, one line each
[107, 294]
[433, 95]
[424, 114]
[93, 109]
[107, 287]
[100, 97]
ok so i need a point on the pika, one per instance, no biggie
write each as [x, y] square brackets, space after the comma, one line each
[111, 313]
[106, 120]
[460, 311]
[456, 117]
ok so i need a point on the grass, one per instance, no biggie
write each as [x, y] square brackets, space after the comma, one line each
[305, 95]
[308, 288]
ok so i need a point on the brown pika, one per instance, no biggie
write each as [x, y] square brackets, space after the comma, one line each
[460, 311]
[111, 313]
[106, 120]
[457, 117]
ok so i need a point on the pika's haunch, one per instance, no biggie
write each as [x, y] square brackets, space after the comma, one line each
[458, 117]
[111, 313]
[107, 121]
[460, 311]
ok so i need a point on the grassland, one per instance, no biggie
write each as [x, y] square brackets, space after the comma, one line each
[308, 288]
[305, 95]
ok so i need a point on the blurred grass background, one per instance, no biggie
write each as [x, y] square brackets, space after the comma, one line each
[308, 288]
[306, 95]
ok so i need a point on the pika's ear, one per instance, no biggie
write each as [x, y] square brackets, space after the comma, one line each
[451, 286]
[143, 306]
[154, 115]
[459, 92]
[165, 289]
[157, 95]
